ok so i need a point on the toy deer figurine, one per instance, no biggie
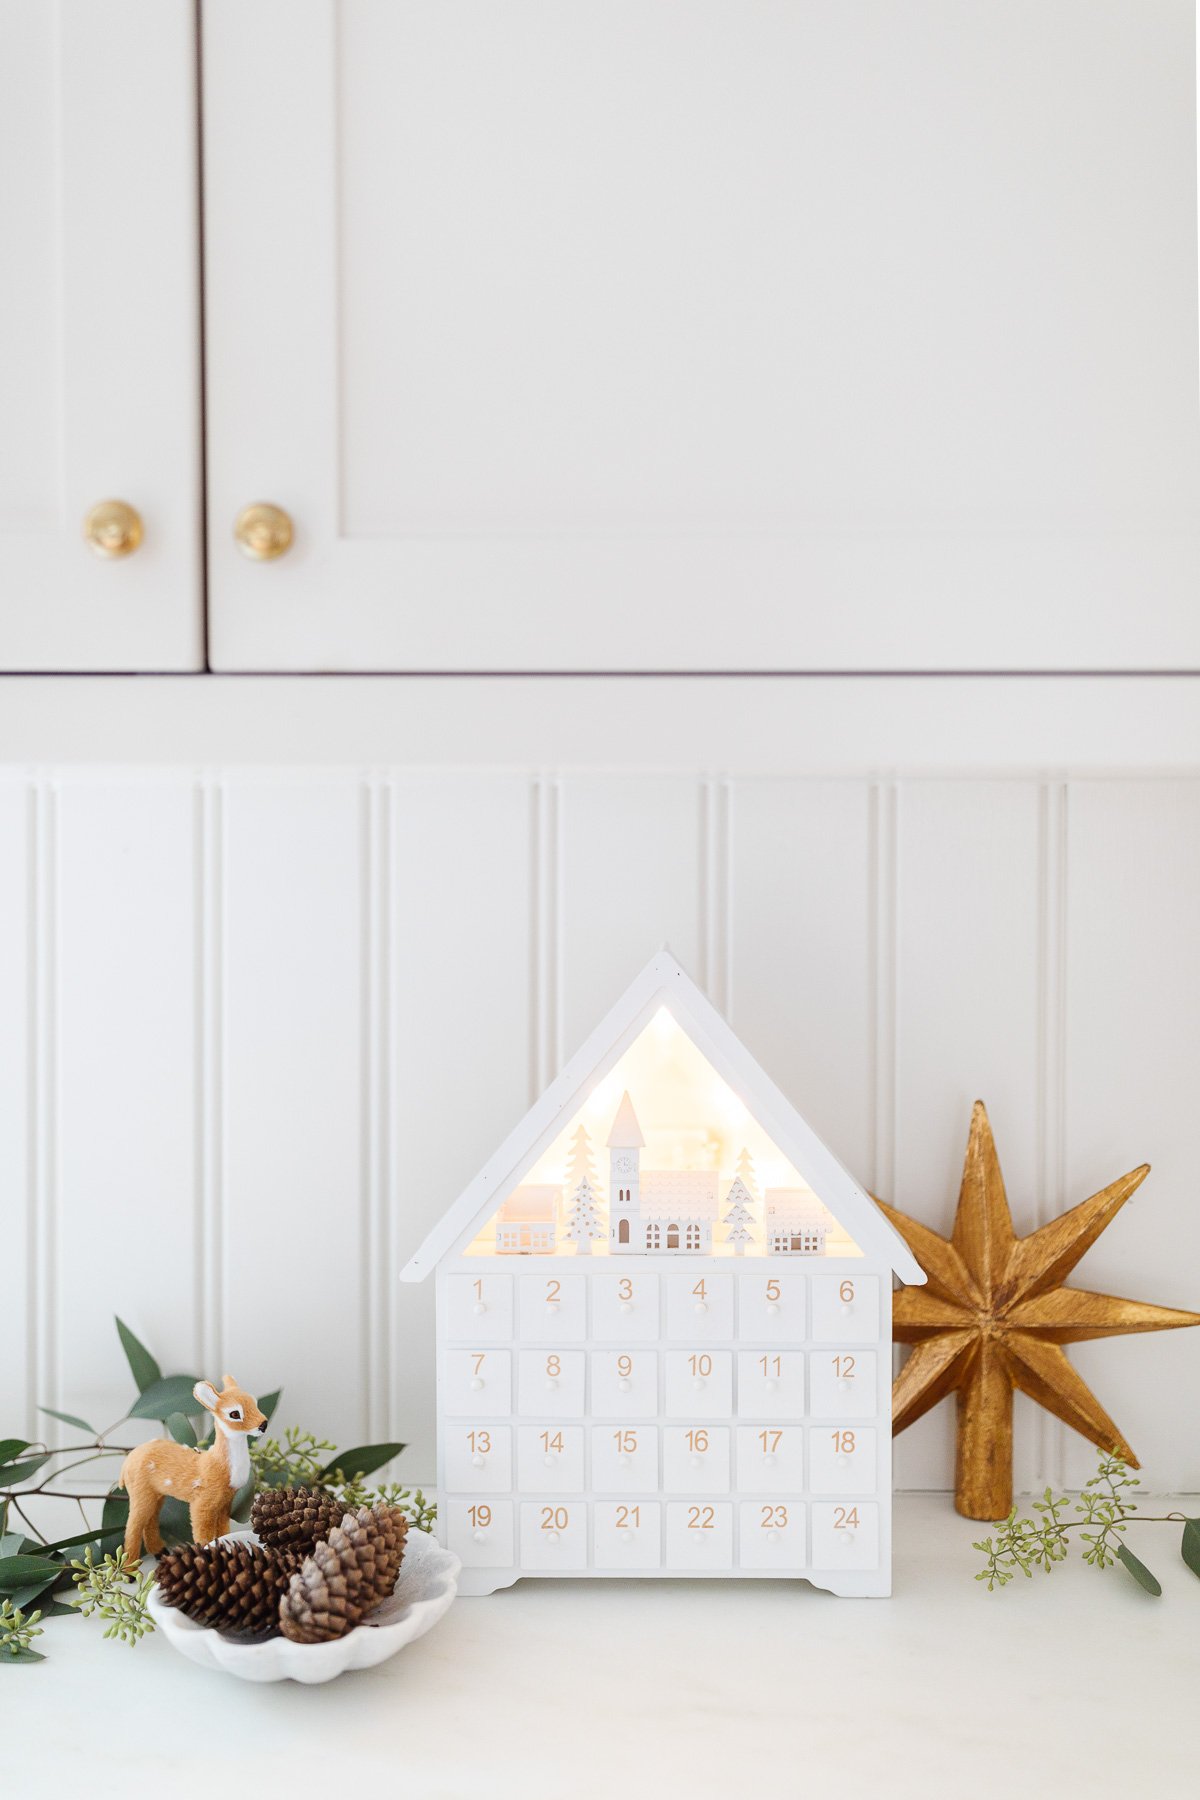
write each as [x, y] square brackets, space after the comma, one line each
[206, 1480]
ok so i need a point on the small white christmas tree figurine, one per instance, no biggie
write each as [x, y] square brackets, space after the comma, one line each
[581, 1164]
[745, 1169]
[583, 1222]
[739, 1200]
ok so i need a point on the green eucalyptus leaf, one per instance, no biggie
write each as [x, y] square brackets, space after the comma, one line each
[268, 1402]
[12, 1543]
[362, 1461]
[20, 1656]
[142, 1366]
[61, 1609]
[29, 1596]
[69, 1419]
[242, 1501]
[181, 1429]
[1138, 1570]
[175, 1522]
[12, 1473]
[99, 1540]
[17, 1572]
[12, 1447]
[114, 1514]
[169, 1394]
[1189, 1549]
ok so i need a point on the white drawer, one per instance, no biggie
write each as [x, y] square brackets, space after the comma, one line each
[843, 1384]
[625, 1309]
[771, 1309]
[550, 1459]
[550, 1384]
[624, 1459]
[627, 1535]
[699, 1383]
[625, 1384]
[554, 1535]
[477, 1384]
[478, 1459]
[480, 1533]
[479, 1308]
[696, 1459]
[771, 1534]
[845, 1309]
[841, 1459]
[845, 1536]
[699, 1307]
[553, 1309]
[700, 1535]
[770, 1458]
[770, 1384]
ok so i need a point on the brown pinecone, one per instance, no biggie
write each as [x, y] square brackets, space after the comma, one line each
[230, 1585]
[346, 1576]
[294, 1517]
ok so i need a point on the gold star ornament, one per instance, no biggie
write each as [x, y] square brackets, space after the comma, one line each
[995, 1315]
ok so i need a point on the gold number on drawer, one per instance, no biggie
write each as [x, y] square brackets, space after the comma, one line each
[701, 1518]
[846, 1293]
[478, 1357]
[626, 1442]
[479, 1288]
[697, 1441]
[553, 1367]
[628, 1517]
[480, 1516]
[480, 1441]
[774, 1518]
[770, 1441]
[552, 1441]
[555, 1518]
[845, 1518]
[624, 1288]
[701, 1289]
[771, 1365]
[772, 1289]
[700, 1363]
[843, 1442]
[844, 1366]
[553, 1290]
[624, 1367]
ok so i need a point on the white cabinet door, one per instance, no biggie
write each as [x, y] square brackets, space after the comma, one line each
[99, 334]
[625, 335]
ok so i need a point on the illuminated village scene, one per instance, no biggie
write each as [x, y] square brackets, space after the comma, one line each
[663, 1158]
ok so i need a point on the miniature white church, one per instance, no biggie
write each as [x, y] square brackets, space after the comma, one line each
[636, 1395]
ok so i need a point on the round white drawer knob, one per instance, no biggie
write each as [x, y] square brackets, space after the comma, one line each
[480, 1537]
[552, 1306]
[624, 1384]
[843, 1461]
[770, 1458]
[627, 1535]
[477, 1461]
[476, 1383]
[696, 1461]
[849, 1536]
[699, 1382]
[772, 1384]
[552, 1537]
[627, 1462]
[702, 1306]
[549, 1459]
[846, 1308]
[773, 1536]
[551, 1383]
[480, 1306]
[844, 1383]
[627, 1306]
[773, 1307]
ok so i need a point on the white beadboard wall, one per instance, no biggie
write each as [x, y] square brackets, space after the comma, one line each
[258, 1027]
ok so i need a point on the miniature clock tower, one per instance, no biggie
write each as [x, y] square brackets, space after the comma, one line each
[625, 1141]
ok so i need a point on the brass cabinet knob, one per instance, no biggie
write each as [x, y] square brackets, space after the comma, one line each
[113, 528]
[263, 532]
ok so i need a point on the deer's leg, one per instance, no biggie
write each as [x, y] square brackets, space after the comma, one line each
[151, 1533]
[210, 1518]
[143, 1524]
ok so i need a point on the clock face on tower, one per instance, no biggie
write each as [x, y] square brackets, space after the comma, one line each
[625, 1164]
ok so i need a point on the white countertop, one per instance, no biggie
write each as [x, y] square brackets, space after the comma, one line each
[1071, 1684]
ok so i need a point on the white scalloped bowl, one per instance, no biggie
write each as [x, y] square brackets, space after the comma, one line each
[426, 1586]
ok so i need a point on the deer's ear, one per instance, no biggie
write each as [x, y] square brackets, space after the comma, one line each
[229, 1381]
[206, 1394]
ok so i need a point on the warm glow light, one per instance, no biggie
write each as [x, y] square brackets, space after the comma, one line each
[690, 1119]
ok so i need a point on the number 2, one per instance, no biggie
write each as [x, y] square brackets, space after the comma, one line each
[553, 1290]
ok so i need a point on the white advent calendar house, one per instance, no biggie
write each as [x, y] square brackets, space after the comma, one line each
[664, 1325]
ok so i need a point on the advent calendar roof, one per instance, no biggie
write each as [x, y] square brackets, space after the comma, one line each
[662, 983]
